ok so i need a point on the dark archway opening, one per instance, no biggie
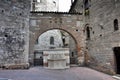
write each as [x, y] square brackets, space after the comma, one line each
[117, 58]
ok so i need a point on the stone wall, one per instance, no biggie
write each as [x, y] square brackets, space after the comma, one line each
[77, 6]
[14, 26]
[103, 37]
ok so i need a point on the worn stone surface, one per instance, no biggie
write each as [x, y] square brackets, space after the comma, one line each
[39, 73]
[14, 26]
[77, 6]
[103, 38]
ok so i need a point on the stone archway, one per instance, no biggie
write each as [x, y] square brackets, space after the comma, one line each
[63, 41]
[44, 21]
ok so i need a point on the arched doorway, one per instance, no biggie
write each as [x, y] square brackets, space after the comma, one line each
[53, 40]
[41, 22]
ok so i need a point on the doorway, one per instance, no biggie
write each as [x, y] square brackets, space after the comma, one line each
[117, 58]
[38, 58]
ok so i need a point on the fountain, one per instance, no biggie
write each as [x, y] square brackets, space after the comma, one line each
[56, 58]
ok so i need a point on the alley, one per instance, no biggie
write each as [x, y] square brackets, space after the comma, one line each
[40, 73]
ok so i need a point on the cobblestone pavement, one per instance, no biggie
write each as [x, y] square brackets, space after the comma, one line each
[39, 73]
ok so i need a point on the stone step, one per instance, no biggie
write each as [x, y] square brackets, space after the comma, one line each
[116, 77]
[73, 65]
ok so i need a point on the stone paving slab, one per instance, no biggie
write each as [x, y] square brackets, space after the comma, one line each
[4, 79]
[39, 73]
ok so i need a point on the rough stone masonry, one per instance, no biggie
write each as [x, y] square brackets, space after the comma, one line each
[102, 18]
[14, 32]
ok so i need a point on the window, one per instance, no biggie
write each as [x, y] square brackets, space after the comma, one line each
[72, 54]
[86, 7]
[116, 25]
[63, 39]
[86, 4]
[52, 40]
[54, 3]
[36, 41]
[34, 0]
[88, 33]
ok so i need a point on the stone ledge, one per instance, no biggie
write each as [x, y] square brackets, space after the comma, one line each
[16, 66]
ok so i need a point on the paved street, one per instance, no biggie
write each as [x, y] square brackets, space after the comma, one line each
[39, 73]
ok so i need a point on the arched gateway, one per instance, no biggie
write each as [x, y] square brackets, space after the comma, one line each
[69, 22]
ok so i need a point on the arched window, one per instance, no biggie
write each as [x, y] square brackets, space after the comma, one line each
[86, 7]
[116, 25]
[51, 40]
[54, 3]
[88, 32]
[86, 4]
[36, 41]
